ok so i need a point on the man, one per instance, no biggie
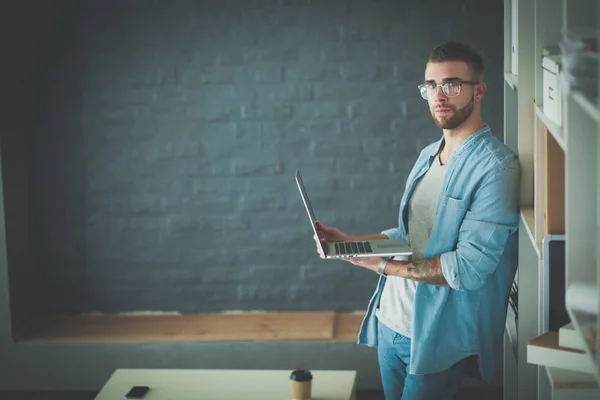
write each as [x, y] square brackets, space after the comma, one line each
[441, 315]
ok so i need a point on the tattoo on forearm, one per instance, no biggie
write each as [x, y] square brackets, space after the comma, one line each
[427, 271]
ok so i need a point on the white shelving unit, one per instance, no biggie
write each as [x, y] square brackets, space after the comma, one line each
[538, 364]
[570, 385]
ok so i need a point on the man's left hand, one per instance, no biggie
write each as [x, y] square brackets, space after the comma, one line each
[370, 263]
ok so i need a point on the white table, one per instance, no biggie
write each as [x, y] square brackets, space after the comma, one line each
[212, 384]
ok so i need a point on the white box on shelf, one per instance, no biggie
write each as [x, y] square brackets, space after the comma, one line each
[552, 99]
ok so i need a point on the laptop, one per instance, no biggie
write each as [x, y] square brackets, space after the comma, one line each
[366, 248]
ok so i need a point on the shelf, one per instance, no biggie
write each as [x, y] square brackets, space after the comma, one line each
[582, 305]
[512, 80]
[567, 379]
[545, 350]
[554, 129]
[587, 106]
[559, 153]
[565, 383]
[528, 217]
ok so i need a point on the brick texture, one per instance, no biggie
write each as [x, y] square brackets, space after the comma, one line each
[167, 134]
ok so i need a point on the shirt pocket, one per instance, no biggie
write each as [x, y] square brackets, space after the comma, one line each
[454, 203]
[444, 236]
[452, 212]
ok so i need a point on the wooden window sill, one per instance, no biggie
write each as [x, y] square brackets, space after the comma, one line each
[216, 327]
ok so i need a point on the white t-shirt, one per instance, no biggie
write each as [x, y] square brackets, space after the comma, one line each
[396, 306]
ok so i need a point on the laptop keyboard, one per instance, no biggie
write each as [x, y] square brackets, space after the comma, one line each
[353, 247]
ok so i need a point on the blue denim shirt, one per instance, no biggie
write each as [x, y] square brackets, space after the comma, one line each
[475, 234]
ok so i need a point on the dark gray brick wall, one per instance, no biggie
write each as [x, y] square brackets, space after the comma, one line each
[168, 134]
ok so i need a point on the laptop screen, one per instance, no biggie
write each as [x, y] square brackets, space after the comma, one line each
[309, 210]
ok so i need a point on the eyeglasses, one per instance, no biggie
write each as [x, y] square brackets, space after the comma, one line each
[450, 89]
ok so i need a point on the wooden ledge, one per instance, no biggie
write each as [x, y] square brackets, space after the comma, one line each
[225, 327]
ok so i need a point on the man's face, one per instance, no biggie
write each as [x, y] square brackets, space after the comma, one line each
[449, 112]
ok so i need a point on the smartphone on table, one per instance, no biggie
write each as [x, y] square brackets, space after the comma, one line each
[137, 392]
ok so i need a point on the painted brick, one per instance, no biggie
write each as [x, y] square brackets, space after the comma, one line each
[267, 112]
[169, 133]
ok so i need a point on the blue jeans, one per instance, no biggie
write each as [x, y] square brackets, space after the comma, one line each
[393, 352]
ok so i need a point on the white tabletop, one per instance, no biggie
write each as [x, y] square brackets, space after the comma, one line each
[198, 384]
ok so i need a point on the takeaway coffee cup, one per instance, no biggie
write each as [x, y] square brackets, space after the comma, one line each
[301, 384]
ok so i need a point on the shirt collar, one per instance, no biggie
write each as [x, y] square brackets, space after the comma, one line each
[471, 140]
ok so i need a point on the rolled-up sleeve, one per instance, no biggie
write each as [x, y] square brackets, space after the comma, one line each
[492, 217]
[393, 233]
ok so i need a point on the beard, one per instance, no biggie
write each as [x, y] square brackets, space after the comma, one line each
[456, 118]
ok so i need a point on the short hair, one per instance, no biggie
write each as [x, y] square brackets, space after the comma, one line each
[454, 51]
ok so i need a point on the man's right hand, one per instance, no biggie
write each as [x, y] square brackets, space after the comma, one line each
[328, 234]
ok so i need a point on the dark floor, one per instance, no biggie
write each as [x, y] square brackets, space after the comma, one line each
[487, 393]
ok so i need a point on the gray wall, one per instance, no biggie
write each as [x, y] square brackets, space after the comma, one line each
[169, 132]
[145, 139]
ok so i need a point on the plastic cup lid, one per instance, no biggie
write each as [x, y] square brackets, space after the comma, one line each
[301, 375]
